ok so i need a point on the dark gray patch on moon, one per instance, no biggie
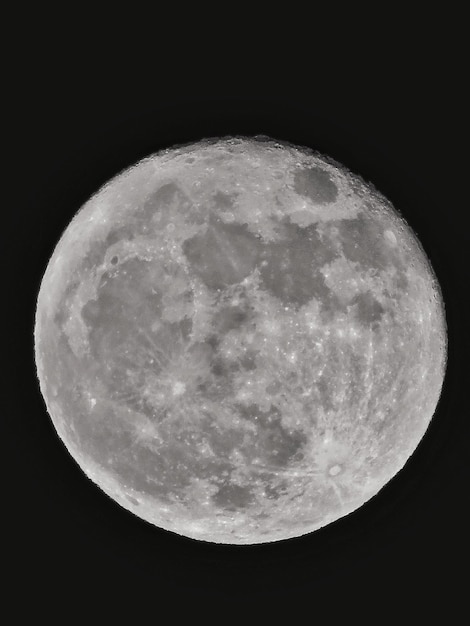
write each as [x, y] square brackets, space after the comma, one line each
[173, 474]
[163, 198]
[162, 203]
[272, 443]
[122, 298]
[277, 490]
[248, 360]
[233, 497]
[291, 269]
[316, 184]
[367, 309]
[325, 393]
[230, 318]
[221, 368]
[224, 255]
[122, 233]
[222, 201]
[362, 242]
[222, 441]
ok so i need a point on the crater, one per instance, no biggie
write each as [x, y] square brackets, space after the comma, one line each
[132, 500]
[316, 184]
[335, 470]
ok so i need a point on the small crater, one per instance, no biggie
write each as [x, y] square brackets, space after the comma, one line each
[335, 470]
[315, 184]
[132, 500]
[114, 260]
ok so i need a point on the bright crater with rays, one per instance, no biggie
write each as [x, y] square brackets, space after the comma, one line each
[240, 341]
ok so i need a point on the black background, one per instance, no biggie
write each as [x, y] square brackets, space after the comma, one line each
[86, 103]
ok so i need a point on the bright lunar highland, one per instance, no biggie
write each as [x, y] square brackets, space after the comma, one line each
[240, 341]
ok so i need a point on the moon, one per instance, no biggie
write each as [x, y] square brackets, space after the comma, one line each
[239, 340]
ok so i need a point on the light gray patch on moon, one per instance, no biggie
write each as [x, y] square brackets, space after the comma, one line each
[235, 357]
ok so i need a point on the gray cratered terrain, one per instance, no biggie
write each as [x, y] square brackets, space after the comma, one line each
[239, 341]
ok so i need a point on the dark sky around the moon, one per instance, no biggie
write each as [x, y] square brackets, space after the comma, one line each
[401, 134]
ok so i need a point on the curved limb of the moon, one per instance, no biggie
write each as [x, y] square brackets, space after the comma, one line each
[239, 340]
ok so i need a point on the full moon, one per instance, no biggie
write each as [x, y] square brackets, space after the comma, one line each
[239, 340]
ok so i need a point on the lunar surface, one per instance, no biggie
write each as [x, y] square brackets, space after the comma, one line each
[240, 341]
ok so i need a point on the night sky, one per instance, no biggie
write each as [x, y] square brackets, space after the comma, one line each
[393, 114]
